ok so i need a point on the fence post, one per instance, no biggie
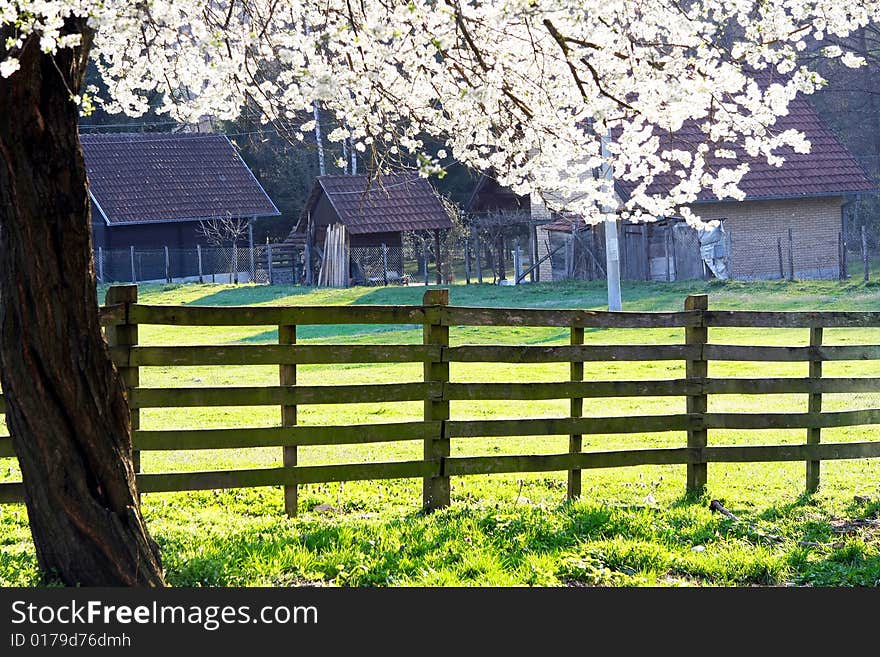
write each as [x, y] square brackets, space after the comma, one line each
[308, 258]
[865, 253]
[697, 368]
[287, 377]
[167, 267]
[814, 434]
[779, 250]
[199, 256]
[517, 263]
[479, 257]
[425, 259]
[731, 271]
[575, 441]
[100, 265]
[126, 336]
[467, 261]
[790, 255]
[435, 489]
[438, 257]
[234, 263]
[665, 253]
[841, 257]
[269, 260]
[533, 252]
[133, 273]
[253, 270]
[384, 264]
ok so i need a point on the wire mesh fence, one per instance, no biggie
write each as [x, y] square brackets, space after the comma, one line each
[378, 265]
[201, 264]
[862, 251]
[655, 252]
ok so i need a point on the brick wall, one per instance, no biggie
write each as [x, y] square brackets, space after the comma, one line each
[755, 227]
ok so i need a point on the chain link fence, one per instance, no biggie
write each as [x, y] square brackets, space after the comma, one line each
[206, 264]
[378, 265]
[277, 264]
[863, 252]
[657, 253]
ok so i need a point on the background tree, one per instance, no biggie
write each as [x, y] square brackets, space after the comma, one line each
[850, 104]
[222, 231]
[526, 89]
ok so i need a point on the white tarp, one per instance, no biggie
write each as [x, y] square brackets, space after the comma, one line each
[713, 248]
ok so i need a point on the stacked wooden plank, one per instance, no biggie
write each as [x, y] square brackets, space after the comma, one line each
[334, 266]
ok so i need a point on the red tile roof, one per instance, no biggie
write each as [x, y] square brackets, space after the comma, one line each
[827, 170]
[137, 178]
[395, 202]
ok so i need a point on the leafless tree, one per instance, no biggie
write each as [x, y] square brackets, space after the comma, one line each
[220, 231]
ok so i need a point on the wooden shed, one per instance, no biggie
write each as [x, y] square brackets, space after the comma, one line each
[375, 212]
[150, 190]
[663, 250]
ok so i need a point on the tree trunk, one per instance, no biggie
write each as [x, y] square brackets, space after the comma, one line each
[65, 403]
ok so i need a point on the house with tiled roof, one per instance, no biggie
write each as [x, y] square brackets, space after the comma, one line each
[805, 195]
[152, 190]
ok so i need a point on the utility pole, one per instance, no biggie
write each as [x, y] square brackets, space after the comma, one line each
[612, 251]
[321, 169]
[317, 115]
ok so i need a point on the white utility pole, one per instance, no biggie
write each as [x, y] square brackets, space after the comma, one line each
[612, 252]
[316, 114]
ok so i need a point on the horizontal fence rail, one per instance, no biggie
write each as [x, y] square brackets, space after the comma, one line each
[439, 427]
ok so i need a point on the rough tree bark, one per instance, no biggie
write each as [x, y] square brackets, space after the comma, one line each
[66, 406]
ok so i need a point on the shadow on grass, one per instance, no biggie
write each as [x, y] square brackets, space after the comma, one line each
[249, 295]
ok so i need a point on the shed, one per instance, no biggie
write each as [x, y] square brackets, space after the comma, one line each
[151, 190]
[376, 212]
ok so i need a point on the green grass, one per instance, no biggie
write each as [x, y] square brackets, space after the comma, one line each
[633, 526]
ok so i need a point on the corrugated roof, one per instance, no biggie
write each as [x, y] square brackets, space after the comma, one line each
[829, 169]
[392, 203]
[137, 178]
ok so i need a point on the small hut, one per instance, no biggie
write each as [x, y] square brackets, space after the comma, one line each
[375, 213]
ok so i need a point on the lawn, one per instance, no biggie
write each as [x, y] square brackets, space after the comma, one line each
[632, 527]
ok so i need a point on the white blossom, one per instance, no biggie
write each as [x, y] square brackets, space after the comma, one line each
[852, 60]
[8, 67]
[525, 89]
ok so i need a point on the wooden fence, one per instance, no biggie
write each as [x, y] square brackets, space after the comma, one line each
[122, 315]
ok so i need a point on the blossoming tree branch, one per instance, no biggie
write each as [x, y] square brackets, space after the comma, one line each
[526, 88]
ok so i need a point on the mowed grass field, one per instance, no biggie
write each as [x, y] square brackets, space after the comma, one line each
[632, 527]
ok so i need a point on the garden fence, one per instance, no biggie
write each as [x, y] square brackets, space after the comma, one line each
[438, 428]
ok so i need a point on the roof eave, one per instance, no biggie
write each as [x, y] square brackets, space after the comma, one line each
[100, 209]
[785, 197]
[181, 220]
